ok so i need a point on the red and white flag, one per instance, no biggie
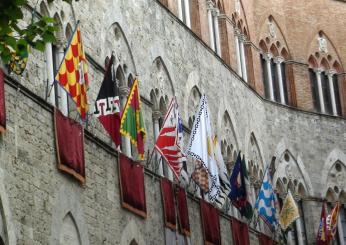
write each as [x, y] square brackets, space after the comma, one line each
[169, 142]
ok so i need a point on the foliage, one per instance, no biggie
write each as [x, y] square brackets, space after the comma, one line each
[15, 38]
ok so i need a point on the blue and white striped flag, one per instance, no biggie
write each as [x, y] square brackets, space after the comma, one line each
[265, 204]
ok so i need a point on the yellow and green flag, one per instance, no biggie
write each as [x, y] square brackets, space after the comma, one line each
[132, 124]
[289, 212]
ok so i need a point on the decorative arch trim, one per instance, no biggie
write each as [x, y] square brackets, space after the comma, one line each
[66, 202]
[225, 107]
[280, 150]
[112, 27]
[159, 59]
[130, 233]
[334, 156]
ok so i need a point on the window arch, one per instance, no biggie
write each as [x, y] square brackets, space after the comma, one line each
[133, 242]
[242, 45]
[288, 176]
[277, 74]
[326, 85]
[69, 231]
[213, 13]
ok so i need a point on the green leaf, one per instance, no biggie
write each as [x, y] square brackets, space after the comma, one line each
[48, 37]
[5, 30]
[39, 45]
[11, 41]
[48, 19]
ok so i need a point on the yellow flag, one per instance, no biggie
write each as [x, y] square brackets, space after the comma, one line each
[289, 212]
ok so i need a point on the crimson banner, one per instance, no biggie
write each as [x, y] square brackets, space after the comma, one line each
[240, 232]
[183, 212]
[210, 224]
[132, 190]
[2, 102]
[69, 139]
[265, 240]
[168, 203]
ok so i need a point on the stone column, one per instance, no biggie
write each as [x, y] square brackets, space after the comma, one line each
[267, 58]
[278, 61]
[124, 91]
[156, 116]
[299, 225]
[216, 14]
[332, 92]
[243, 57]
[187, 13]
[210, 23]
[180, 10]
[340, 231]
[50, 73]
[320, 92]
[237, 51]
[63, 105]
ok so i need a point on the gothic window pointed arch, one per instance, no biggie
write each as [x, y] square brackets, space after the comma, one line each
[243, 50]
[326, 84]
[69, 233]
[277, 72]
[133, 242]
[290, 177]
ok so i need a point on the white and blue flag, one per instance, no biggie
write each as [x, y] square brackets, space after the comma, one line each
[265, 204]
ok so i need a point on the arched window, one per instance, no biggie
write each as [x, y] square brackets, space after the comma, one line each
[133, 242]
[213, 23]
[69, 232]
[324, 67]
[243, 50]
[288, 176]
[277, 73]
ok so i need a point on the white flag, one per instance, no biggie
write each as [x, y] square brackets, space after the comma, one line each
[201, 147]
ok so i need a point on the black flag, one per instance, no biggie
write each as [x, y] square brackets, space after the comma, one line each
[107, 104]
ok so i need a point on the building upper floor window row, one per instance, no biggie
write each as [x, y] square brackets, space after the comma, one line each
[277, 73]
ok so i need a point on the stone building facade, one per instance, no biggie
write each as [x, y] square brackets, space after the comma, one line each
[273, 74]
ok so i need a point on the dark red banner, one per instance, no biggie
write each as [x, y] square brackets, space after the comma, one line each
[265, 240]
[2, 102]
[167, 193]
[210, 224]
[183, 212]
[240, 232]
[132, 190]
[69, 139]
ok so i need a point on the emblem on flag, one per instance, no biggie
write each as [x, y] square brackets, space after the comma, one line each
[289, 212]
[322, 238]
[131, 123]
[169, 141]
[332, 222]
[239, 195]
[201, 148]
[73, 73]
[107, 104]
